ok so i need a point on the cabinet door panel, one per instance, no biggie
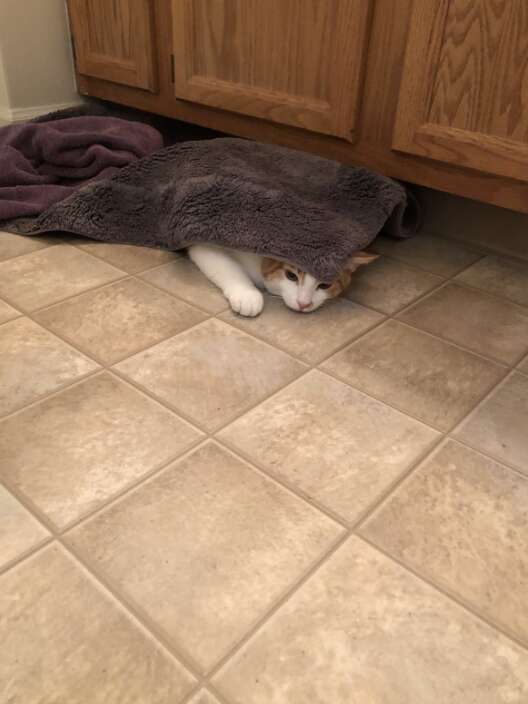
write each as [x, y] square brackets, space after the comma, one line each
[114, 40]
[464, 92]
[296, 62]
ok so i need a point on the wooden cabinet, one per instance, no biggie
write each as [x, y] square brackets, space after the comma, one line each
[289, 61]
[464, 90]
[114, 40]
[433, 92]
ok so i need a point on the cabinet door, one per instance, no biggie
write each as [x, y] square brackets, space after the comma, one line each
[114, 40]
[464, 93]
[297, 62]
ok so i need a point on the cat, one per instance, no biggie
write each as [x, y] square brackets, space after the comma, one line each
[242, 276]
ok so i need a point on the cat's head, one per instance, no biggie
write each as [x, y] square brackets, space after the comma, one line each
[301, 291]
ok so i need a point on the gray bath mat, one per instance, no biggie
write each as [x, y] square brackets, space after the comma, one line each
[290, 205]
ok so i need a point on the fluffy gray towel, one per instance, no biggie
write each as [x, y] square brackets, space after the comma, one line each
[290, 205]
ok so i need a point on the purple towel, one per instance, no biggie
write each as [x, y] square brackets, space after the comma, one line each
[42, 163]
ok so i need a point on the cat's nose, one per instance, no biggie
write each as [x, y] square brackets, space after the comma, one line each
[303, 304]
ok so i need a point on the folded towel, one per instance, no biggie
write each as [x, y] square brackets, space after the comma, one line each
[43, 162]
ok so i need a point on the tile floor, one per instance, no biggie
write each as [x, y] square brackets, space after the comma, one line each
[202, 509]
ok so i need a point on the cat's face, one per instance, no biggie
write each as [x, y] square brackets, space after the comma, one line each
[301, 291]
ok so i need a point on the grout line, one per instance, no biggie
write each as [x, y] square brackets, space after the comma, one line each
[136, 612]
[390, 404]
[178, 297]
[479, 451]
[33, 251]
[379, 501]
[447, 593]
[26, 553]
[406, 412]
[109, 364]
[490, 294]
[321, 507]
[192, 421]
[452, 343]
[486, 396]
[494, 360]
[131, 487]
[494, 458]
[28, 313]
[89, 240]
[444, 437]
[422, 269]
[131, 606]
[355, 337]
[406, 478]
[268, 613]
[79, 294]
[213, 691]
[52, 394]
[40, 399]
[287, 486]
[419, 300]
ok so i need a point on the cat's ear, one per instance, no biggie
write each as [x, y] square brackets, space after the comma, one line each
[359, 259]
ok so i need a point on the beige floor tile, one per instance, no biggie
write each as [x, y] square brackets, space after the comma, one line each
[65, 640]
[204, 697]
[12, 245]
[33, 363]
[45, 277]
[337, 445]
[205, 548]
[7, 312]
[503, 277]
[462, 520]
[499, 425]
[388, 285]
[523, 366]
[212, 372]
[419, 374]
[19, 531]
[127, 257]
[118, 320]
[484, 324]
[363, 629]
[313, 336]
[430, 252]
[186, 281]
[74, 451]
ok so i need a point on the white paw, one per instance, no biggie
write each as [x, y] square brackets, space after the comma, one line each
[245, 301]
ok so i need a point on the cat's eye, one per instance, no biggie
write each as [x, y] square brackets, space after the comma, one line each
[324, 286]
[291, 276]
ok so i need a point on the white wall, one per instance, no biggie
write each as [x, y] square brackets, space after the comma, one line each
[4, 95]
[36, 58]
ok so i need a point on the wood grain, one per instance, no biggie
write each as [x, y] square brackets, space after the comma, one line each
[375, 123]
[114, 40]
[297, 62]
[464, 92]
[482, 68]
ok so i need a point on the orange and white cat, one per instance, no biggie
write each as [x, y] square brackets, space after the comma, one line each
[242, 276]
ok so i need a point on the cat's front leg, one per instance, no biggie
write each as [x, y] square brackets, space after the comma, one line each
[245, 300]
[226, 273]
